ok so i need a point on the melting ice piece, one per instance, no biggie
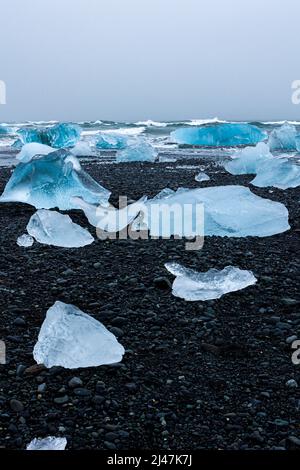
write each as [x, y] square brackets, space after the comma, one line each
[232, 211]
[279, 172]
[17, 144]
[107, 141]
[202, 177]
[70, 338]
[193, 285]
[58, 136]
[25, 240]
[51, 180]
[283, 138]
[31, 150]
[110, 219]
[48, 443]
[82, 149]
[137, 151]
[219, 135]
[53, 228]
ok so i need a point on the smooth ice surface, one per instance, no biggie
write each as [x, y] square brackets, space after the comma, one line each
[107, 141]
[82, 149]
[202, 177]
[31, 150]
[110, 219]
[137, 151]
[219, 135]
[70, 338]
[232, 211]
[25, 240]
[58, 136]
[279, 172]
[51, 181]
[193, 285]
[283, 138]
[53, 228]
[48, 443]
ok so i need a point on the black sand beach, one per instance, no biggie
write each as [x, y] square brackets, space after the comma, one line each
[196, 375]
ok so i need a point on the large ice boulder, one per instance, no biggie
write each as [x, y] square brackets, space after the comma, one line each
[279, 172]
[232, 211]
[61, 135]
[111, 141]
[52, 180]
[193, 285]
[283, 138]
[137, 151]
[71, 338]
[53, 228]
[219, 135]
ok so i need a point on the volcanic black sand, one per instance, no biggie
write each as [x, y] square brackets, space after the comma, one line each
[195, 375]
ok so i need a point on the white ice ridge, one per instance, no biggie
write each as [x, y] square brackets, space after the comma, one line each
[193, 285]
[52, 228]
[71, 338]
[29, 151]
[48, 443]
[110, 219]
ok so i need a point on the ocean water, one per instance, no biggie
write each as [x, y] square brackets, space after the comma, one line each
[157, 133]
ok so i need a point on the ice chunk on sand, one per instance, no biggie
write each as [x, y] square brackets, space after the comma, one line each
[283, 138]
[31, 150]
[193, 285]
[106, 141]
[82, 149]
[232, 211]
[51, 180]
[219, 135]
[137, 151]
[202, 177]
[58, 136]
[70, 338]
[279, 172]
[25, 240]
[109, 218]
[48, 443]
[53, 228]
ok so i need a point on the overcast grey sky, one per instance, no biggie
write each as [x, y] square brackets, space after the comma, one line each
[149, 59]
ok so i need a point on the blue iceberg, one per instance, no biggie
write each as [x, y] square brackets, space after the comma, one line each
[63, 135]
[4, 130]
[225, 211]
[137, 151]
[52, 180]
[279, 172]
[106, 141]
[283, 138]
[219, 135]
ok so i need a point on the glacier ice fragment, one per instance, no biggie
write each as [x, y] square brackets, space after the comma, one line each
[232, 211]
[61, 135]
[278, 172]
[113, 141]
[202, 177]
[71, 338]
[53, 228]
[283, 138]
[137, 151]
[219, 135]
[193, 285]
[25, 240]
[48, 443]
[82, 149]
[31, 150]
[52, 180]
